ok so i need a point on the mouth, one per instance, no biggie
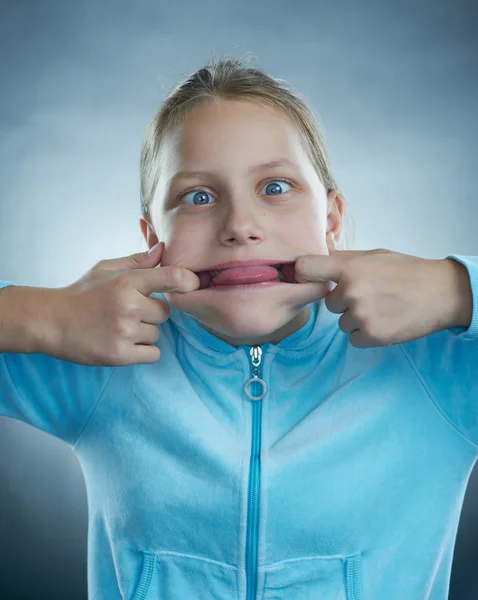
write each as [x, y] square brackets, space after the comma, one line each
[247, 275]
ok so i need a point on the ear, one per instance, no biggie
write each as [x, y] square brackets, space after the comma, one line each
[335, 208]
[148, 231]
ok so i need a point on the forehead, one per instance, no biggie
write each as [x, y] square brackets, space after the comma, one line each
[226, 131]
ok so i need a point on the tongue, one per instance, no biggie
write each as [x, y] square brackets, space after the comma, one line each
[245, 275]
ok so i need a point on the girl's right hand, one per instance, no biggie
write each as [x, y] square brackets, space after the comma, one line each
[107, 318]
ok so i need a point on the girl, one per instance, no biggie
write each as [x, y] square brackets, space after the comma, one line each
[259, 447]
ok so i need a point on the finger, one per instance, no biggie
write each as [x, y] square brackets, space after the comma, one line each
[348, 323]
[318, 268]
[360, 340]
[139, 260]
[335, 300]
[147, 334]
[172, 278]
[154, 311]
[144, 355]
[148, 259]
[352, 253]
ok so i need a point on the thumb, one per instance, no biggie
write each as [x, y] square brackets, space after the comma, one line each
[145, 260]
[140, 260]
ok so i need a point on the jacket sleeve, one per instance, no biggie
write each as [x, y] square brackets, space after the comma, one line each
[53, 395]
[446, 362]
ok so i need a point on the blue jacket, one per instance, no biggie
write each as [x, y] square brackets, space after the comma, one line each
[345, 481]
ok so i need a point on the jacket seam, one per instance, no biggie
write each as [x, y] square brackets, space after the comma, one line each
[435, 403]
[92, 411]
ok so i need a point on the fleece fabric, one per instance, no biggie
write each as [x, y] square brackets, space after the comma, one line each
[336, 473]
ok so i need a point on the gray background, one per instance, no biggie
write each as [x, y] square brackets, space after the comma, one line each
[395, 85]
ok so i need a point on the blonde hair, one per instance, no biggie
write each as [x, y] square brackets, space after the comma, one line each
[233, 78]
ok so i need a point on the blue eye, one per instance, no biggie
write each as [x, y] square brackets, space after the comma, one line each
[274, 187]
[200, 196]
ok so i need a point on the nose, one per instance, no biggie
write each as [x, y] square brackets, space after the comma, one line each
[242, 225]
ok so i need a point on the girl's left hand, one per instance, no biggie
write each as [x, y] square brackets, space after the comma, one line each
[387, 298]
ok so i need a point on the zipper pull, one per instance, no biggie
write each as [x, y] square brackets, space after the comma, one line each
[256, 357]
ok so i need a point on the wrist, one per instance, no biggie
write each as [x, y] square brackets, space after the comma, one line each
[44, 321]
[461, 294]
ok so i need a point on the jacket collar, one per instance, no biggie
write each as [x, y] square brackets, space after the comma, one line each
[319, 329]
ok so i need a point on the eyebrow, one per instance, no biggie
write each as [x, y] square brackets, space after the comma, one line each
[280, 162]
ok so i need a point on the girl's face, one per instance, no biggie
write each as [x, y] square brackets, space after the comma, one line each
[235, 208]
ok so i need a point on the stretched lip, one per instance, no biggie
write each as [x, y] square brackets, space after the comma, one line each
[246, 263]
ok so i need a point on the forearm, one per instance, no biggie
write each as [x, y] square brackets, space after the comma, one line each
[27, 319]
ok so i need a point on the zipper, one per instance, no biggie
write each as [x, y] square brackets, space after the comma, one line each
[254, 472]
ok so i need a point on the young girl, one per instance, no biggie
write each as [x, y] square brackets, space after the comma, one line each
[274, 438]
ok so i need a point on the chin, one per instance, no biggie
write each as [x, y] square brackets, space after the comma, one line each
[243, 329]
[243, 321]
[254, 310]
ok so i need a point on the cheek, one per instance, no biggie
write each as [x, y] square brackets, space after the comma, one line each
[303, 231]
[183, 243]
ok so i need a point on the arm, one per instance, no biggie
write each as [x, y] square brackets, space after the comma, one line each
[54, 395]
[24, 326]
[446, 362]
[465, 319]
